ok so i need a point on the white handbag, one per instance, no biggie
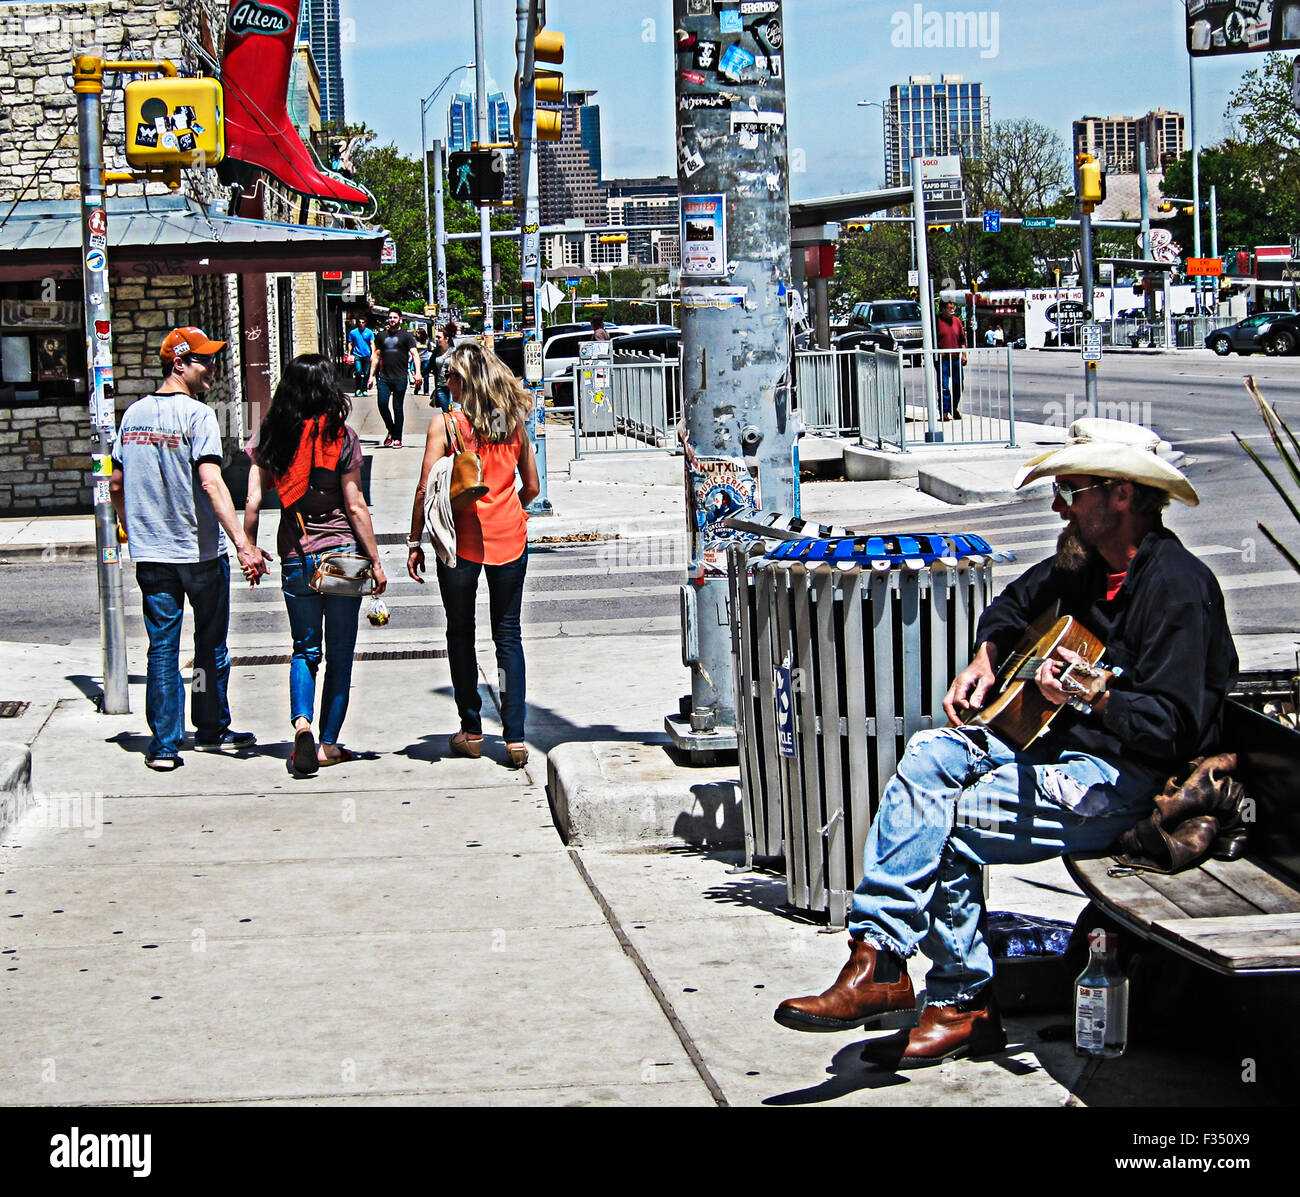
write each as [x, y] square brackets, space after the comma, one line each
[439, 522]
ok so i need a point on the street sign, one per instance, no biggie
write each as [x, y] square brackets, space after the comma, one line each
[1223, 27]
[1038, 222]
[992, 222]
[941, 189]
[430, 309]
[1091, 342]
[1205, 267]
[550, 296]
[388, 255]
[913, 278]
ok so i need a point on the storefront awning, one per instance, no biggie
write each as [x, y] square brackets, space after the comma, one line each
[174, 235]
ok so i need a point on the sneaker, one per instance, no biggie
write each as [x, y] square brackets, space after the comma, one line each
[388, 442]
[232, 740]
[397, 444]
[163, 764]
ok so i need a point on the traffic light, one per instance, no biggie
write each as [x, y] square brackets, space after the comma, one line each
[476, 176]
[1092, 181]
[613, 238]
[857, 226]
[548, 46]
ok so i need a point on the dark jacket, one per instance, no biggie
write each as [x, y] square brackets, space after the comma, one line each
[1166, 628]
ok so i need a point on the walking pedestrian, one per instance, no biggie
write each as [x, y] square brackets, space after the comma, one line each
[491, 538]
[425, 348]
[170, 497]
[393, 353]
[361, 343]
[307, 452]
[444, 343]
[951, 335]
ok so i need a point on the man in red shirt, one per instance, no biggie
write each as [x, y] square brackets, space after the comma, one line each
[951, 334]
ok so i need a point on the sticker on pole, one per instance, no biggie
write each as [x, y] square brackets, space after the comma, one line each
[784, 695]
[533, 361]
[720, 488]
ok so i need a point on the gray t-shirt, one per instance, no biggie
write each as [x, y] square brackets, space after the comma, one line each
[159, 447]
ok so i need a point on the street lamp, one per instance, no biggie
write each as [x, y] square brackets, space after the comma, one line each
[425, 105]
[884, 112]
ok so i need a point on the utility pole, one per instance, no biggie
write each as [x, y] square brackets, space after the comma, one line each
[484, 212]
[925, 291]
[1085, 279]
[530, 258]
[740, 431]
[439, 234]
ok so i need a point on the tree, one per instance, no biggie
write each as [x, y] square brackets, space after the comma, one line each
[1251, 210]
[870, 265]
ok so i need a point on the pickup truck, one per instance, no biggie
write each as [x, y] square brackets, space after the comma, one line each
[898, 319]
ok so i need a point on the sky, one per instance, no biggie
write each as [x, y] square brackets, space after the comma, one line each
[1049, 62]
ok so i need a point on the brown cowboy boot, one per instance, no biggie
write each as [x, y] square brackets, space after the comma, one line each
[856, 999]
[972, 1028]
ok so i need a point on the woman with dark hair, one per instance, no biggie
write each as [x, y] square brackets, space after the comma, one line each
[306, 450]
[491, 538]
[444, 343]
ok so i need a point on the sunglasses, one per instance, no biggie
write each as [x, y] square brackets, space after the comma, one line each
[1067, 493]
[203, 359]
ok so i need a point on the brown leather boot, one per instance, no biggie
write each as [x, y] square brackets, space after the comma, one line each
[855, 1000]
[971, 1028]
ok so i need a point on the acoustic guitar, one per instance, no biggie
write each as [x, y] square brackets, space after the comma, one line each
[1017, 712]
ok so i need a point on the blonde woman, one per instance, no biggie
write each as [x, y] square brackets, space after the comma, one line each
[491, 538]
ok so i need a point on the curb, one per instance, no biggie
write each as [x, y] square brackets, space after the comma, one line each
[84, 551]
[15, 784]
[632, 794]
[552, 529]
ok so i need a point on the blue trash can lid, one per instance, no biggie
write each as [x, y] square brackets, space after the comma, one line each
[925, 547]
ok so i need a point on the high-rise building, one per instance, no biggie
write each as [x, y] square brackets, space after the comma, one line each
[319, 27]
[1115, 139]
[924, 118]
[462, 114]
[634, 202]
[568, 181]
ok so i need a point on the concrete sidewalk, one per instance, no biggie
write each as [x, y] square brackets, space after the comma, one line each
[410, 928]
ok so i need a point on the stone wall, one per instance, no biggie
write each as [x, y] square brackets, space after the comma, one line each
[38, 129]
[44, 459]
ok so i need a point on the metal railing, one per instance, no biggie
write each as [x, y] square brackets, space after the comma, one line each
[637, 411]
[829, 388]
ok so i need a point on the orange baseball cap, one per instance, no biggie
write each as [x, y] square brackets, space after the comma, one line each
[188, 340]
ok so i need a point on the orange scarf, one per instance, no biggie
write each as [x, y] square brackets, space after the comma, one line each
[292, 484]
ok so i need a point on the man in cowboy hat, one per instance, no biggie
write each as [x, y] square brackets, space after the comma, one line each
[172, 501]
[962, 798]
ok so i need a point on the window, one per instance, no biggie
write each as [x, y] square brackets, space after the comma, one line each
[42, 341]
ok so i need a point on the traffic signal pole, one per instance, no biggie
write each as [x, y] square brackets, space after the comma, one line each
[739, 428]
[484, 212]
[530, 259]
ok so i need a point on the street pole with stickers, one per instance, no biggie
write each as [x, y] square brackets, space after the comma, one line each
[170, 122]
[739, 428]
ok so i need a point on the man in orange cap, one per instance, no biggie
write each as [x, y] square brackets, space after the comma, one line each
[172, 501]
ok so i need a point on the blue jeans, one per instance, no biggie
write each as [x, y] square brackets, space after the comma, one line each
[459, 587]
[319, 619]
[950, 381]
[397, 390]
[961, 800]
[165, 587]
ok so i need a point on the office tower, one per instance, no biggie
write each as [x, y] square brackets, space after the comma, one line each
[1115, 139]
[568, 181]
[925, 119]
[635, 202]
[462, 114]
[319, 27]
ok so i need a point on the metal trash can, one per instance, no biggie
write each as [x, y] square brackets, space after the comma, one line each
[842, 649]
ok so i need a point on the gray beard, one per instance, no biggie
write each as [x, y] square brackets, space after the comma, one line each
[1072, 555]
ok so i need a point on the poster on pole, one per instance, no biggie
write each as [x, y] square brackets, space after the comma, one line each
[704, 236]
[719, 487]
[1242, 26]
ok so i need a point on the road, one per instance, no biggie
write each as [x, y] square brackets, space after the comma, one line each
[1194, 401]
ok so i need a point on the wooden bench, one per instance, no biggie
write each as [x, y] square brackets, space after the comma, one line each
[1238, 918]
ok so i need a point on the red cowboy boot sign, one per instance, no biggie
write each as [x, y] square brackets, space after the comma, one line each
[256, 58]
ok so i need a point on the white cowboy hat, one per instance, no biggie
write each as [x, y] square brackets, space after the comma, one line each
[1111, 449]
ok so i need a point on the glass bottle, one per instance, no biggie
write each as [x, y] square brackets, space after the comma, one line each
[1101, 1001]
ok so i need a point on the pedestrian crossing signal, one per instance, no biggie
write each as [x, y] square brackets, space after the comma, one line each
[477, 176]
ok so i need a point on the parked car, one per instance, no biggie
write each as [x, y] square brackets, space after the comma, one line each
[1239, 336]
[661, 343]
[560, 356]
[1279, 333]
[899, 318]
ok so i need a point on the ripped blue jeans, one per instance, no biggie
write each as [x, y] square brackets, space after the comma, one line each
[962, 799]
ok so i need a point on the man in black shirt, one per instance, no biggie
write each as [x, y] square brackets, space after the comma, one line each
[394, 349]
[963, 798]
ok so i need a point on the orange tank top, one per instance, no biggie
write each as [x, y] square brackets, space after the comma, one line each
[494, 530]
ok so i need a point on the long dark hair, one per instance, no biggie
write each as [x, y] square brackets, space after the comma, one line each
[308, 388]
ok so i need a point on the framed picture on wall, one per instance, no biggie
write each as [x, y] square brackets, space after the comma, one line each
[51, 356]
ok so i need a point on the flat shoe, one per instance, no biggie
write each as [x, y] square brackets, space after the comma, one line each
[517, 755]
[304, 752]
[463, 744]
[342, 759]
[163, 764]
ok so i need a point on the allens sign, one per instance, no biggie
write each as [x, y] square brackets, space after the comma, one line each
[251, 17]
